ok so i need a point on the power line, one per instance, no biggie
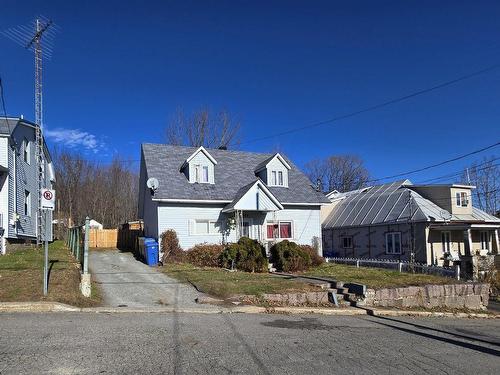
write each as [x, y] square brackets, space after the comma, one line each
[435, 165]
[460, 172]
[378, 106]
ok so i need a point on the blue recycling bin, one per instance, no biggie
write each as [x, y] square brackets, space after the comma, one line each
[151, 251]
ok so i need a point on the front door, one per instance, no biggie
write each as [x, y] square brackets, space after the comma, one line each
[246, 229]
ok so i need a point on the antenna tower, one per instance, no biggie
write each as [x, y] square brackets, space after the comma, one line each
[37, 37]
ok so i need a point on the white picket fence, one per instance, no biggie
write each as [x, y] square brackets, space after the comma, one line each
[401, 266]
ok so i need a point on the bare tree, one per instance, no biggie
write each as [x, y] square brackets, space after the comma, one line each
[202, 128]
[338, 172]
[486, 177]
[106, 193]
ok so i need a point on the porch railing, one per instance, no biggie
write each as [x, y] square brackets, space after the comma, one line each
[401, 266]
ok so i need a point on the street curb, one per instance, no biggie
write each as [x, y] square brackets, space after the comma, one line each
[37, 307]
[42, 307]
[429, 314]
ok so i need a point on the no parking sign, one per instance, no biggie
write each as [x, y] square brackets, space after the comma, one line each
[48, 199]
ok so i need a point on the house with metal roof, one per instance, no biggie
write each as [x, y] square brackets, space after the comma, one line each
[19, 189]
[218, 196]
[435, 224]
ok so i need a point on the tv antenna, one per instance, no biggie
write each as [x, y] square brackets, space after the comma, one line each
[39, 38]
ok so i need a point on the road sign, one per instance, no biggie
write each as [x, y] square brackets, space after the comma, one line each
[48, 199]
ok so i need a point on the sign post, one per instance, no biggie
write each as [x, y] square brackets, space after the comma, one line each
[48, 203]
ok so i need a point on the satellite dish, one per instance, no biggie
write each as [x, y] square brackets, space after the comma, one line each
[445, 215]
[152, 183]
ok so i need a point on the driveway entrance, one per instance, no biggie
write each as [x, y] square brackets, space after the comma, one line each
[126, 282]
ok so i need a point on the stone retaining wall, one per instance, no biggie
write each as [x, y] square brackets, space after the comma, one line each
[291, 299]
[471, 296]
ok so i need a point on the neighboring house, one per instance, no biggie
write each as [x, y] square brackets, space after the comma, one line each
[378, 222]
[19, 182]
[217, 196]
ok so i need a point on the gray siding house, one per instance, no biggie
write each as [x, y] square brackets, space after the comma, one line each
[19, 182]
[217, 196]
[438, 223]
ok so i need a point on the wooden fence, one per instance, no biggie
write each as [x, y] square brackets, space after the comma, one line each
[103, 238]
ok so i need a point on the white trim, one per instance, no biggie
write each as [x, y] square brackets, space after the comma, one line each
[292, 228]
[281, 159]
[190, 200]
[207, 154]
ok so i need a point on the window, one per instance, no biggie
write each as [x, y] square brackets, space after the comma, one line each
[393, 243]
[277, 178]
[273, 178]
[462, 199]
[27, 203]
[282, 229]
[205, 174]
[346, 242]
[196, 173]
[485, 240]
[446, 241]
[205, 227]
[280, 178]
[27, 150]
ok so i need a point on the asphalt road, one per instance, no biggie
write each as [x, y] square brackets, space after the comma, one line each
[124, 281]
[154, 343]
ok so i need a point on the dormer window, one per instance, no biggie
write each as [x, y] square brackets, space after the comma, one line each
[462, 199]
[274, 171]
[200, 167]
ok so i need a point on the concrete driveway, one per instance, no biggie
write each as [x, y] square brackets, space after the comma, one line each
[126, 282]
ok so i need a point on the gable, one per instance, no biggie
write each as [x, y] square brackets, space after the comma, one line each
[255, 197]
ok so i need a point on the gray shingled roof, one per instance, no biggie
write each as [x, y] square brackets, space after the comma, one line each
[390, 203]
[234, 170]
[4, 126]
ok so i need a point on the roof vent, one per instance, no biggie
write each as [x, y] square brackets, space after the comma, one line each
[223, 147]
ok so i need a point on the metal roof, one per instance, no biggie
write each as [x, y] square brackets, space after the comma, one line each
[234, 170]
[391, 203]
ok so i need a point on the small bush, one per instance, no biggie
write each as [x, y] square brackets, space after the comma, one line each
[169, 243]
[316, 260]
[205, 255]
[246, 255]
[287, 256]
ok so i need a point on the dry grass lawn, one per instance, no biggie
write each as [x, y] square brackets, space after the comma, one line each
[223, 284]
[375, 277]
[21, 277]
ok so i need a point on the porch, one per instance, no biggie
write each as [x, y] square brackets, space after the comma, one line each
[448, 243]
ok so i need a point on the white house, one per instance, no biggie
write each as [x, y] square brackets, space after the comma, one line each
[19, 188]
[216, 196]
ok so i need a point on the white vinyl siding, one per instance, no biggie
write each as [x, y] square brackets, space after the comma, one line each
[305, 223]
[277, 173]
[201, 170]
[182, 218]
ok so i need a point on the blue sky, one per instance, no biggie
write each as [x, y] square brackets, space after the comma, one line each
[120, 70]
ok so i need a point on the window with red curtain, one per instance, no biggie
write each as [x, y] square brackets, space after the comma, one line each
[270, 230]
[285, 229]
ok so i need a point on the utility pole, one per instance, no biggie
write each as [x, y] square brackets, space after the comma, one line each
[411, 234]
